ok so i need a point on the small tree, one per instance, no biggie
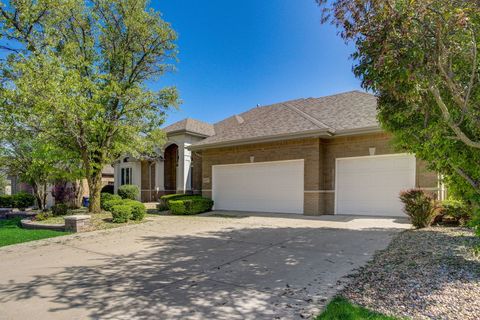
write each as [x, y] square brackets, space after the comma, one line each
[83, 68]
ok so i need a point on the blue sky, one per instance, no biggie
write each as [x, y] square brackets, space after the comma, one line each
[237, 54]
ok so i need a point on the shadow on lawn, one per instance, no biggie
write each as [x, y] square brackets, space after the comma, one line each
[231, 274]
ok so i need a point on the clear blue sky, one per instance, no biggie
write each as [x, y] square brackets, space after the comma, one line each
[237, 54]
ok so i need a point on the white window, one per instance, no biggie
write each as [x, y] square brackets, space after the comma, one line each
[126, 176]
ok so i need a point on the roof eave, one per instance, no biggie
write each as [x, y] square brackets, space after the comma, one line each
[196, 134]
[357, 131]
[307, 134]
[289, 136]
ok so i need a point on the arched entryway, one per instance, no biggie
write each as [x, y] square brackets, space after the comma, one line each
[171, 163]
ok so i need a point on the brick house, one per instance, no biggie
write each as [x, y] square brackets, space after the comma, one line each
[310, 156]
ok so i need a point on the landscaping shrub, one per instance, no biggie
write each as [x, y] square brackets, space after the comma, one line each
[104, 197]
[60, 209]
[6, 201]
[23, 200]
[187, 206]
[419, 207]
[107, 206]
[138, 209]
[456, 211]
[121, 213]
[170, 197]
[43, 216]
[129, 191]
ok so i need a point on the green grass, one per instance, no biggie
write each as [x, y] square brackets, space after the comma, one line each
[11, 233]
[341, 309]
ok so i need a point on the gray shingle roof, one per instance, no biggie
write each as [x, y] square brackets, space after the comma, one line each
[347, 111]
[191, 125]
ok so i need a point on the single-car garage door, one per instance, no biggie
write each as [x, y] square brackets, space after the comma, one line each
[371, 185]
[261, 187]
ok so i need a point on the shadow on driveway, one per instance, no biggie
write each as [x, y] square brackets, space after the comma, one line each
[237, 273]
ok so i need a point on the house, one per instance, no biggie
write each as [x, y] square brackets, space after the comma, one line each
[310, 156]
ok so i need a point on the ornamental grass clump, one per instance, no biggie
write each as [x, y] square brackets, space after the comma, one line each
[419, 206]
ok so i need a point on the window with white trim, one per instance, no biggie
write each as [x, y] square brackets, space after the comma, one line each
[126, 176]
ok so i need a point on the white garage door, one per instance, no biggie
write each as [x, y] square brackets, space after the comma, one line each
[371, 185]
[261, 187]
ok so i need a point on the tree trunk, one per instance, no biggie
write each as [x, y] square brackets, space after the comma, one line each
[95, 186]
[40, 191]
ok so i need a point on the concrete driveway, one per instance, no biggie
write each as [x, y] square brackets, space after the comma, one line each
[203, 267]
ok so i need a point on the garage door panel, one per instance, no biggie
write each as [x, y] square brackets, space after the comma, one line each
[371, 185]
[267, 187]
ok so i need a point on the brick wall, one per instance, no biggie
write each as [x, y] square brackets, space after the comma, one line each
[319, 155]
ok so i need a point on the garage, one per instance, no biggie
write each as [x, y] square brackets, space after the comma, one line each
[260, 187]
[371, 185]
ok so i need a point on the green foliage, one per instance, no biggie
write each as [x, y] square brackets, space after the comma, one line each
[11, 233]
[420, 59]
[109, 204]
[129, 191]
[23, 200]
[341, 309]
[6, 201]
[105, 197]
[60, 209]
[188, 206]
[121, 213]
[419, 207]
[42, 216]
[456, 211]
[80, 71]
[138, 209]
[169, 197]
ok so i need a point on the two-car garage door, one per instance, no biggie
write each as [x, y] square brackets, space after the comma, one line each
[263, 187]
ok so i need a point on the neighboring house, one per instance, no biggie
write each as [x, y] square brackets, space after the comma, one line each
[308, 156]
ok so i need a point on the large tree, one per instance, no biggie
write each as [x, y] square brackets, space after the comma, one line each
[81, 70]
[421, 59]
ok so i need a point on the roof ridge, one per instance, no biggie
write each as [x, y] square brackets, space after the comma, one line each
[316, 122]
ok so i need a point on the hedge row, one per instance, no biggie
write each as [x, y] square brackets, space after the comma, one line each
[20, 200]
[188, 206]
[172, 197]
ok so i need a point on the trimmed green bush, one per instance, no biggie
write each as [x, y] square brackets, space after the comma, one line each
[104, 197]
[107, 206]
[23, 200]
[188, 206]
[419, 207]
[129, 191]
[60, 209]
[170, 197]
[6, 201]
[138, 209]
[456, 211]
[121, 213]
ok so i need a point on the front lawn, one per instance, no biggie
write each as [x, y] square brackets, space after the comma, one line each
[341, 309]
[11, 233]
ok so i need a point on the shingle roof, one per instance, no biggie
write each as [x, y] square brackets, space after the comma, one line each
[347, 111]
[191, 125]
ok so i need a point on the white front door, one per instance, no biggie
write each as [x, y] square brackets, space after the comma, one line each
[261, 187]
[371, 185]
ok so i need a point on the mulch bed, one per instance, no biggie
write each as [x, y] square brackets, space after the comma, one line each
[431, 273]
